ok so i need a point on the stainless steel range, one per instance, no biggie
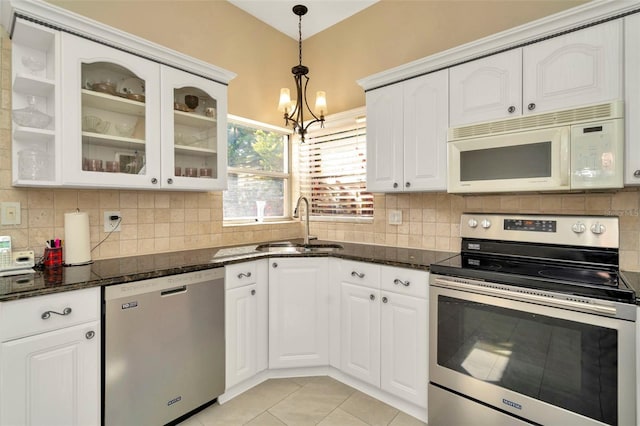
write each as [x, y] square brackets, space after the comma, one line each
[532, 324]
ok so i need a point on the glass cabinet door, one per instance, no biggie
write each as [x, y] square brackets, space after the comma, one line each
[111, 117]
[194, 131]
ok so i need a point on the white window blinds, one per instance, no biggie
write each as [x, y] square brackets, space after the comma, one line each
[333, 173]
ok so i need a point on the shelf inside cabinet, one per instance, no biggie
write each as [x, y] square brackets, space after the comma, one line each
[192, 119]
[33, 85]
[183, 149]
[112, 103]
[113, 141]
[30, 134]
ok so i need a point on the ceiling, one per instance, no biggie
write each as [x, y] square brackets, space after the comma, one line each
[322, 14]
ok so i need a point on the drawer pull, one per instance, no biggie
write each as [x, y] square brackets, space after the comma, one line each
[243, 275]
[404, 283]
[357, 274]
[47, 314]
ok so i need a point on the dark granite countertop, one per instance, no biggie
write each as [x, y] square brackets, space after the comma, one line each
[134, 268]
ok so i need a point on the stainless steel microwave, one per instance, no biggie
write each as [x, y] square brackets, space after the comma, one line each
[574, 149]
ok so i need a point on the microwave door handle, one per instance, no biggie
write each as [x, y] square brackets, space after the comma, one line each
[564, 155]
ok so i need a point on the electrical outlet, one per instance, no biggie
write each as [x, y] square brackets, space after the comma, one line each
[112, 225]
[395, 217]
[10, 213]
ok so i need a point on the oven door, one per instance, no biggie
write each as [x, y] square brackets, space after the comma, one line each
[536, 160]
[542, 364]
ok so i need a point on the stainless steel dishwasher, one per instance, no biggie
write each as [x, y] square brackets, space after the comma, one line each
[164, 347]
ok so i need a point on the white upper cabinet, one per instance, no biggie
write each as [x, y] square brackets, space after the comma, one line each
[36, 125]
[579, 68]
[632, 99]
[109, 140]
[406, 135]
[133, 123]
[96, 107]
[486, 89]
[194, 149]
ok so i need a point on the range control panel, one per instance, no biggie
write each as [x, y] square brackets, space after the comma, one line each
[591, 231]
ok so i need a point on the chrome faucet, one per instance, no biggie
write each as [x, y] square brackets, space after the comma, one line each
[296, 215]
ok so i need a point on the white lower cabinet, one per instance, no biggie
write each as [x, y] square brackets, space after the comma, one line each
[383, 323]
[246, 311]
[50, 363]
[298, 312]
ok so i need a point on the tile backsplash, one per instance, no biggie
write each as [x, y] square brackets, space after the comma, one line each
[155, 221]
[432, 220]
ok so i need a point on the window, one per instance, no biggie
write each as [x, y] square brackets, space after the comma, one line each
[333, 172]
[258, 171]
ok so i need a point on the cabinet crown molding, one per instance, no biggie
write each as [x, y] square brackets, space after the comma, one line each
[64, 20]
[588, 14]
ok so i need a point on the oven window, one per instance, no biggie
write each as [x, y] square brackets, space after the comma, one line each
[568, 364]
[510, 162]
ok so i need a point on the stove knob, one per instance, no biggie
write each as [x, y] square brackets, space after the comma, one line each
[486, 224]
[598, 228]
[579, 227]
[472, 223]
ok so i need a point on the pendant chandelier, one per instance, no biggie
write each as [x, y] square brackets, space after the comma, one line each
[294, 110]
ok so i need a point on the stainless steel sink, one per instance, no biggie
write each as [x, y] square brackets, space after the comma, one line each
[289, 247]
[319, 247]
[286, 247]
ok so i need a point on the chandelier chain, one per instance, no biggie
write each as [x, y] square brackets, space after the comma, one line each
[300, 39]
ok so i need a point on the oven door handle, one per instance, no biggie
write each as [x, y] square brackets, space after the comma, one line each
[488, 290]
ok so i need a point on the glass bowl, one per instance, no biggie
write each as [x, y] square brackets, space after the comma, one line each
[33, 63]
[31, 117]
[91, 123]
[125, 129]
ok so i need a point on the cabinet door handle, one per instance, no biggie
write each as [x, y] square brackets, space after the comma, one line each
[253, 292]
[395, 184]
[90, 334]
[47, 314]
[531, 106]
[243, 275]
[636, 173]
[384, 299]
[511, 109]
[372, 297]
[357, 274]
[407, 185]
[404, 283]
[169, 181]
[154, 181]
[274, 264]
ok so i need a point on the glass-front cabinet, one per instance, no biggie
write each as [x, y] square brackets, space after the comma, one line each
[35, 96]
[111, 116]
[133, 123]
[194, 113]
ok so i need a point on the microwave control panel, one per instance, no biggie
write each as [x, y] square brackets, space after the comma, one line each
[597, 155]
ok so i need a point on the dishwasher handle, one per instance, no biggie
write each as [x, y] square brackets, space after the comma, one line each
[172, 291]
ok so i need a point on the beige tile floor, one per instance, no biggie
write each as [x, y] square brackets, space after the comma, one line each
[299, 402]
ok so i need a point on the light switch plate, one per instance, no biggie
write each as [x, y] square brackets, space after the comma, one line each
[395, 217]
[10, 213]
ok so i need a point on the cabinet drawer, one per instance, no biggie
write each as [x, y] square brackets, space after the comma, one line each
[240, 274]
[24, 317]
[411, 282]
[360, 273]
